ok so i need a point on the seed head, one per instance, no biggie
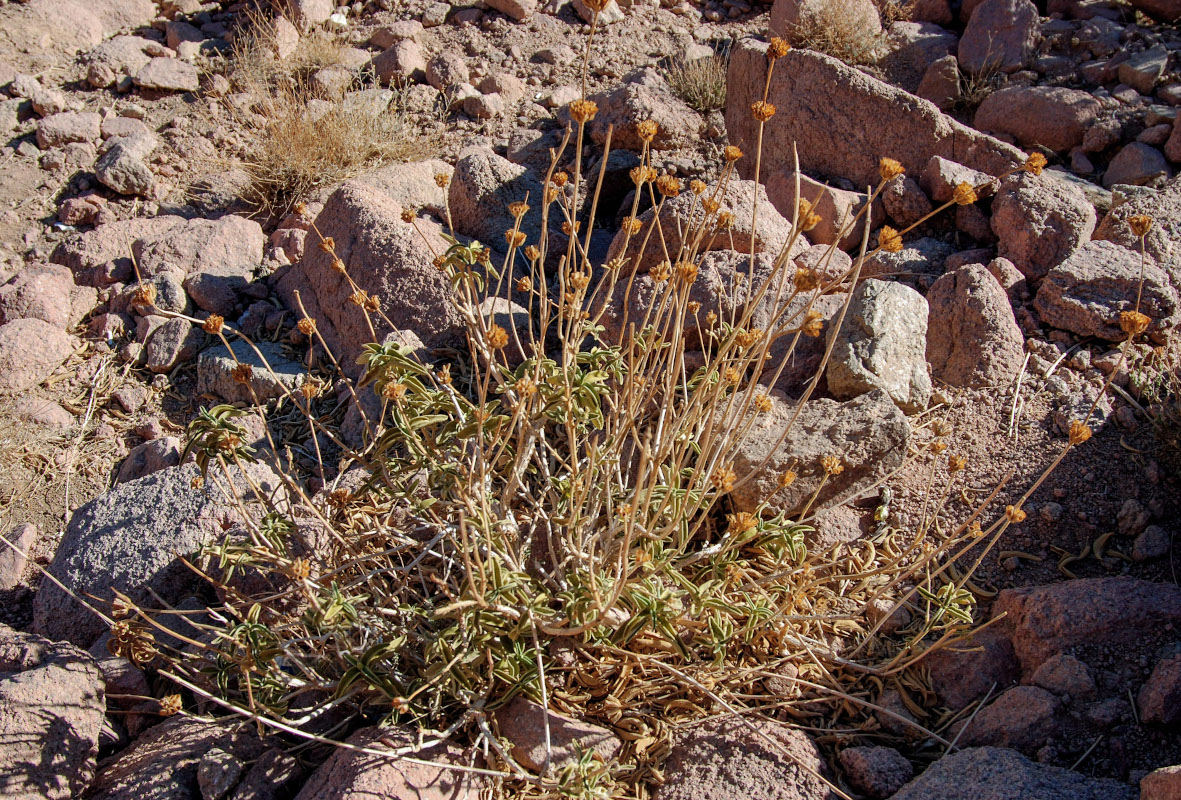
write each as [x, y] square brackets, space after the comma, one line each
[358, 297]
[661, 272]
[809, 219]
[579, 280]
[1133, 323]
[723, 479]
[518, 209]
[171, 705]
[941, 427]
[442, 179]
[965, 194]
[444, 375]
[731, 375]
[525, 387]
[408, 215]
[956, 463]
[582, 110]
[1141, 224]
[890, 168]
[327, 244]
[813, 323]
[668, 186]
[632, 226]
[698, 187]
[762, 403]
[373, 303]
[301, 569]
[338, 265]
[1034, 164]
[514, 238]
[524, 285]
[242, 374]
[686, 271]
[497, 337]
[710, 204]
[741, 522]
[725, 219]
[300, 208]
[566, 229]
[311, 388]
[647, 130]
[938, 447]
[213, 324]
[144, 294]
[731, 153]
[393, 391]
[532, 253]
[693, 306]
[787, 478]
[778, 48]
[559, 179]
[596, 6]
[806, 279]
[762, 110]
[1014, 514]
[711, 318]
[832, 465]
[307, 326]
[1079, 432]
[889, 239]
[745, 339]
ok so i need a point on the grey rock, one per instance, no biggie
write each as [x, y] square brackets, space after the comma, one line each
[876, 772]
[121, 170]
[972, 336]
[12, 562]
[1154, 542]
[150, 457]
[173, 343]
[1142, 70]
[269, 379]
[882, 345]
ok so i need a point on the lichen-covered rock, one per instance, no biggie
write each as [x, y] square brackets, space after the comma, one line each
[972, 336]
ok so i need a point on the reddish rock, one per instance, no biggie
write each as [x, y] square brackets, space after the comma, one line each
[46, 292]
[995, 773]
[103, 256]
[837, 208]
[941, 83]
[1051, 619]
[788, 15]
[150, 457]
[1161, 784]
[201, 245]
[1162, 240]
[1136, 164]
[353, 775]
[51, 714]
[963, 672]
[1024, 718]
[972, 336]
[876, 772]
[524, 724]
[905, 201]
[400, 63]
[80, 210]
[1173, 144]
[1040, 221]
[40, 411]
[66, 127]
[941, 176]
[1065, 675]
[646, 96]
[815, 95]
[1002, 34]
[30, 350]
[12, 562]
[1160, 696]
[724, 759]
[173, 342]
[830, 263]
[168, 75]
[1086, 293]
[1050, 116]
[387, 258]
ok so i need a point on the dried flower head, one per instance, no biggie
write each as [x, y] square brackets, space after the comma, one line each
[938, 447]
[358, 297]
[444, 375]
[668, 186]
[524, 285]
[579, 280]
[813, 323]
[807, 279]
[741, 522]
[171, 705]
[725, 219]
[745, 338]
[311, 388]
[525, 387]
[300, 208]
[941, 427]
[328, 244]
[596, 6]
[242, 373]
[1140, 224]
[1133, 323]
[518, 209]
[583, 110]
[393, 391]
[408, 215]
[762, 111]
[532, 253]
[889, 239]
[723, 479]
[956, 463]
[1079, 432]
[693, 306]
[731, 375]
[647, 130]
[731, 153]
[787, 478]
[778, 48]
[373, 303]
[832, 465]
[559, 179]
[965, 194]
[661, 272]
[213, 324]
[890, 168]
[1014, 514]
[686, 271]
[809, 219]
[632, 226]
[710, 204]
[307, 326]
[338, 265]
[762, 403]
[697, 186]
[711, 318]
[301, 569]
[514, 238]
[1034, 164]
[497, 337]
[144, 294]
[567, 230]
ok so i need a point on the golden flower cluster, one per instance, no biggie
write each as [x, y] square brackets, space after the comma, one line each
[762, 110]
[327, 244]
[1034, 164]
[497, 337]
[832, 465]
[890, 168]
[632, 226]
[889, 239]
[307, 326]
[731, 153]
[741, 522]
[965, 194]
[1141, 224]
[582, 110]
[1133, 323]
[1079, 432]
[686, 271]
[668, 186]
[647, 130]
[514, 238]
[144, 294]
[213, 324]
[442, 179]
[813, 323]
[393, 391]
[807, 279]
[723, 479]
[809, 219]
[242, 373]
[778, 48]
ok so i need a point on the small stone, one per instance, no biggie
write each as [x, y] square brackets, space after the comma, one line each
[1142, 70]
[1154, 542]
[1136, 164]
[1065, 675]
[876, 772]
[1159, 700]
[525, 725]
[168, 75]
[12, 563]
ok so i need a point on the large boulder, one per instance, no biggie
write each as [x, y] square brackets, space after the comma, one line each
[789, 17]
[30, 350]
[387, 258]
[681, 218]
[868, 435]
[1050, 116]
[815, 95]
[972, 336]
[644, 96]
[199, 245]
[1002, 35]
[732, 758]
[1039, 221]
[104, 255]
[51, 715]
[131, 537]
[882, 345]
[1163, 241]
[483, 187]
[1086, 293]
[997, 773]
[1051, 619]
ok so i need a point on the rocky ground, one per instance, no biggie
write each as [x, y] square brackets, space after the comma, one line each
[130, 150]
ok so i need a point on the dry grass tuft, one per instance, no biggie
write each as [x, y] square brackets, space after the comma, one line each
[700, 82]
[303, 141]
[831, 29]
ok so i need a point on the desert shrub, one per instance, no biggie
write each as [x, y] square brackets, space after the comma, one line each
[830, 28]
[700, 82]
[302, 139]
[549, 514]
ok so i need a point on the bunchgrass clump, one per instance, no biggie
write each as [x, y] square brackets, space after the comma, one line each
[700, 82]
[831, 28]
[551, 513]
